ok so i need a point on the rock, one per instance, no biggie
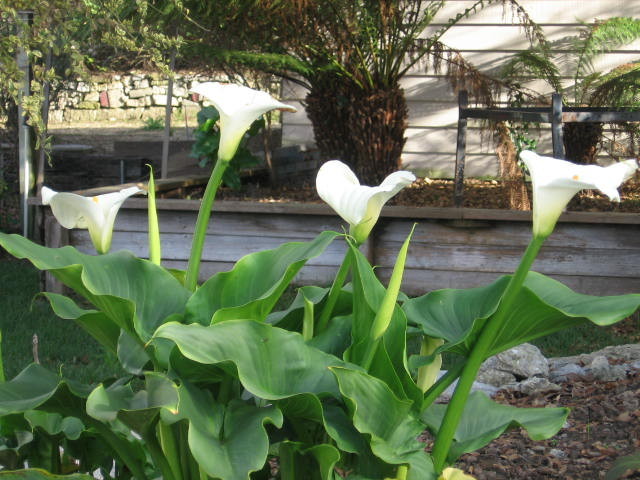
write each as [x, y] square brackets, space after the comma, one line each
[497, 378]
[523, 361]
[557, 453]
[601, 370]
[535, 385]
[563, 373]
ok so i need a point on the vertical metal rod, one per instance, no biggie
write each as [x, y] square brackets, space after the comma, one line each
[461, 144]
[24, 132]
[167, 119]
[556, 125]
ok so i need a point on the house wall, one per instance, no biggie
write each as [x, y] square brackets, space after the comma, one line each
[485, 39]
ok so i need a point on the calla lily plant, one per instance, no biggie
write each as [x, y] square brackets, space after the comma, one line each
[239, 107]
[219, 379]
[357, 204]
[555, 182]
[97, 214]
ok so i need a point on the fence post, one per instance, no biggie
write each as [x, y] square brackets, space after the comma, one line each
[556, 125]
[461, 144]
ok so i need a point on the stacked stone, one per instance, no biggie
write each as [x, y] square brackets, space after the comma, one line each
[130, 96]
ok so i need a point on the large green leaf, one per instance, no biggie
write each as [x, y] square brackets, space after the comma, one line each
[484, 420]
[272, 363]
[253, 286]
[543, 306]
[37, 474]
[295, 464]
[390, 422]
[35, 386]
[228, 441]
[622, 465]
[134, 293]
[135, 409]
[54, 423]
[96, 323]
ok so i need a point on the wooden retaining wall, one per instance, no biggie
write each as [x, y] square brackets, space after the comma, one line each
[593, 253]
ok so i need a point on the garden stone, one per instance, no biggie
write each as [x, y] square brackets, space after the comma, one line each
[495, 377]
[522, 361]
[564, 372]
[601, 370]
[533, 385]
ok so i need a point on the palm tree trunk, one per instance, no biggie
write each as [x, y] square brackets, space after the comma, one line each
[362, 127]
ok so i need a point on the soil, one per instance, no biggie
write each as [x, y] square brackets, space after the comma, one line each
[603, 425]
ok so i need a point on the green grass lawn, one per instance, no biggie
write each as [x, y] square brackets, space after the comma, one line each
[62, 345]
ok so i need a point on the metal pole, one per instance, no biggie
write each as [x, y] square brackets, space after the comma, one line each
[461, 144]
[556, 125]
[167, 119]
[24, 131]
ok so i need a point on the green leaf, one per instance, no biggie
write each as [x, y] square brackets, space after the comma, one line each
[542, 307]
[54, 423]
[96, 323]
[272, 363]
[131, 354]
[35, 386]
[37, 474]
[295, 464]
[135, 409]
[389, 361]
[253, 286]
[228, 441]
[622, 464]
[134, 293]
[484, 420]
[390, 422]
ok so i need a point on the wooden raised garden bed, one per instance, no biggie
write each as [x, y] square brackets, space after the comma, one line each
[594, 253]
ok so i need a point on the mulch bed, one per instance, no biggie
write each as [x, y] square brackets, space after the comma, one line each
[603, 425]
[433, 193]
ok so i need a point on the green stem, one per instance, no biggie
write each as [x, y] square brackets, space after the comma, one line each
[155, 251]
[403, 470]
[121, 448]
[334, 292]
[170, 449]
[157, 455]
[442, 384]
[200, 232]
[480, 351]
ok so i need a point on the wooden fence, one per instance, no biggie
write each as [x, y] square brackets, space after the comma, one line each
[594, 253]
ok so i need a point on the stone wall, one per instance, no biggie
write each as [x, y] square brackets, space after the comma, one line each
[121, 97]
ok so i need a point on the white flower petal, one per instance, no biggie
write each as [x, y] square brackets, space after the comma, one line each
[97, 214]
[555, 182]
[239, 107]
[357, 204]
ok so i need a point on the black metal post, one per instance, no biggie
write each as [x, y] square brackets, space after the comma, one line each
[461, 144]
[556, 125]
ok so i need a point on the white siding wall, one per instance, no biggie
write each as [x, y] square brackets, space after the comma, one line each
[484, 39]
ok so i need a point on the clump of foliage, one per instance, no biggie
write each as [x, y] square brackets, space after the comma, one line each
[207, 141]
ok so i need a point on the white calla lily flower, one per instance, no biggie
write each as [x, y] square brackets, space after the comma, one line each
[239, 107]
[97, 214]
[555, 182]
[357, 204]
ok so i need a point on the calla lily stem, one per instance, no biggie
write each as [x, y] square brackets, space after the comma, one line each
[200, 232]
[481, 349]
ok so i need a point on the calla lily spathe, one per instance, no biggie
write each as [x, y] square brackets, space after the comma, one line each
[555, 182]
[97, 214]
[239, 107]
[357, 204]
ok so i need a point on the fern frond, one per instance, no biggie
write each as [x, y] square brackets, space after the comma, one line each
[619, 88]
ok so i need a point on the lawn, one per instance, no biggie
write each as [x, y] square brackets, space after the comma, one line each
[62, 345]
